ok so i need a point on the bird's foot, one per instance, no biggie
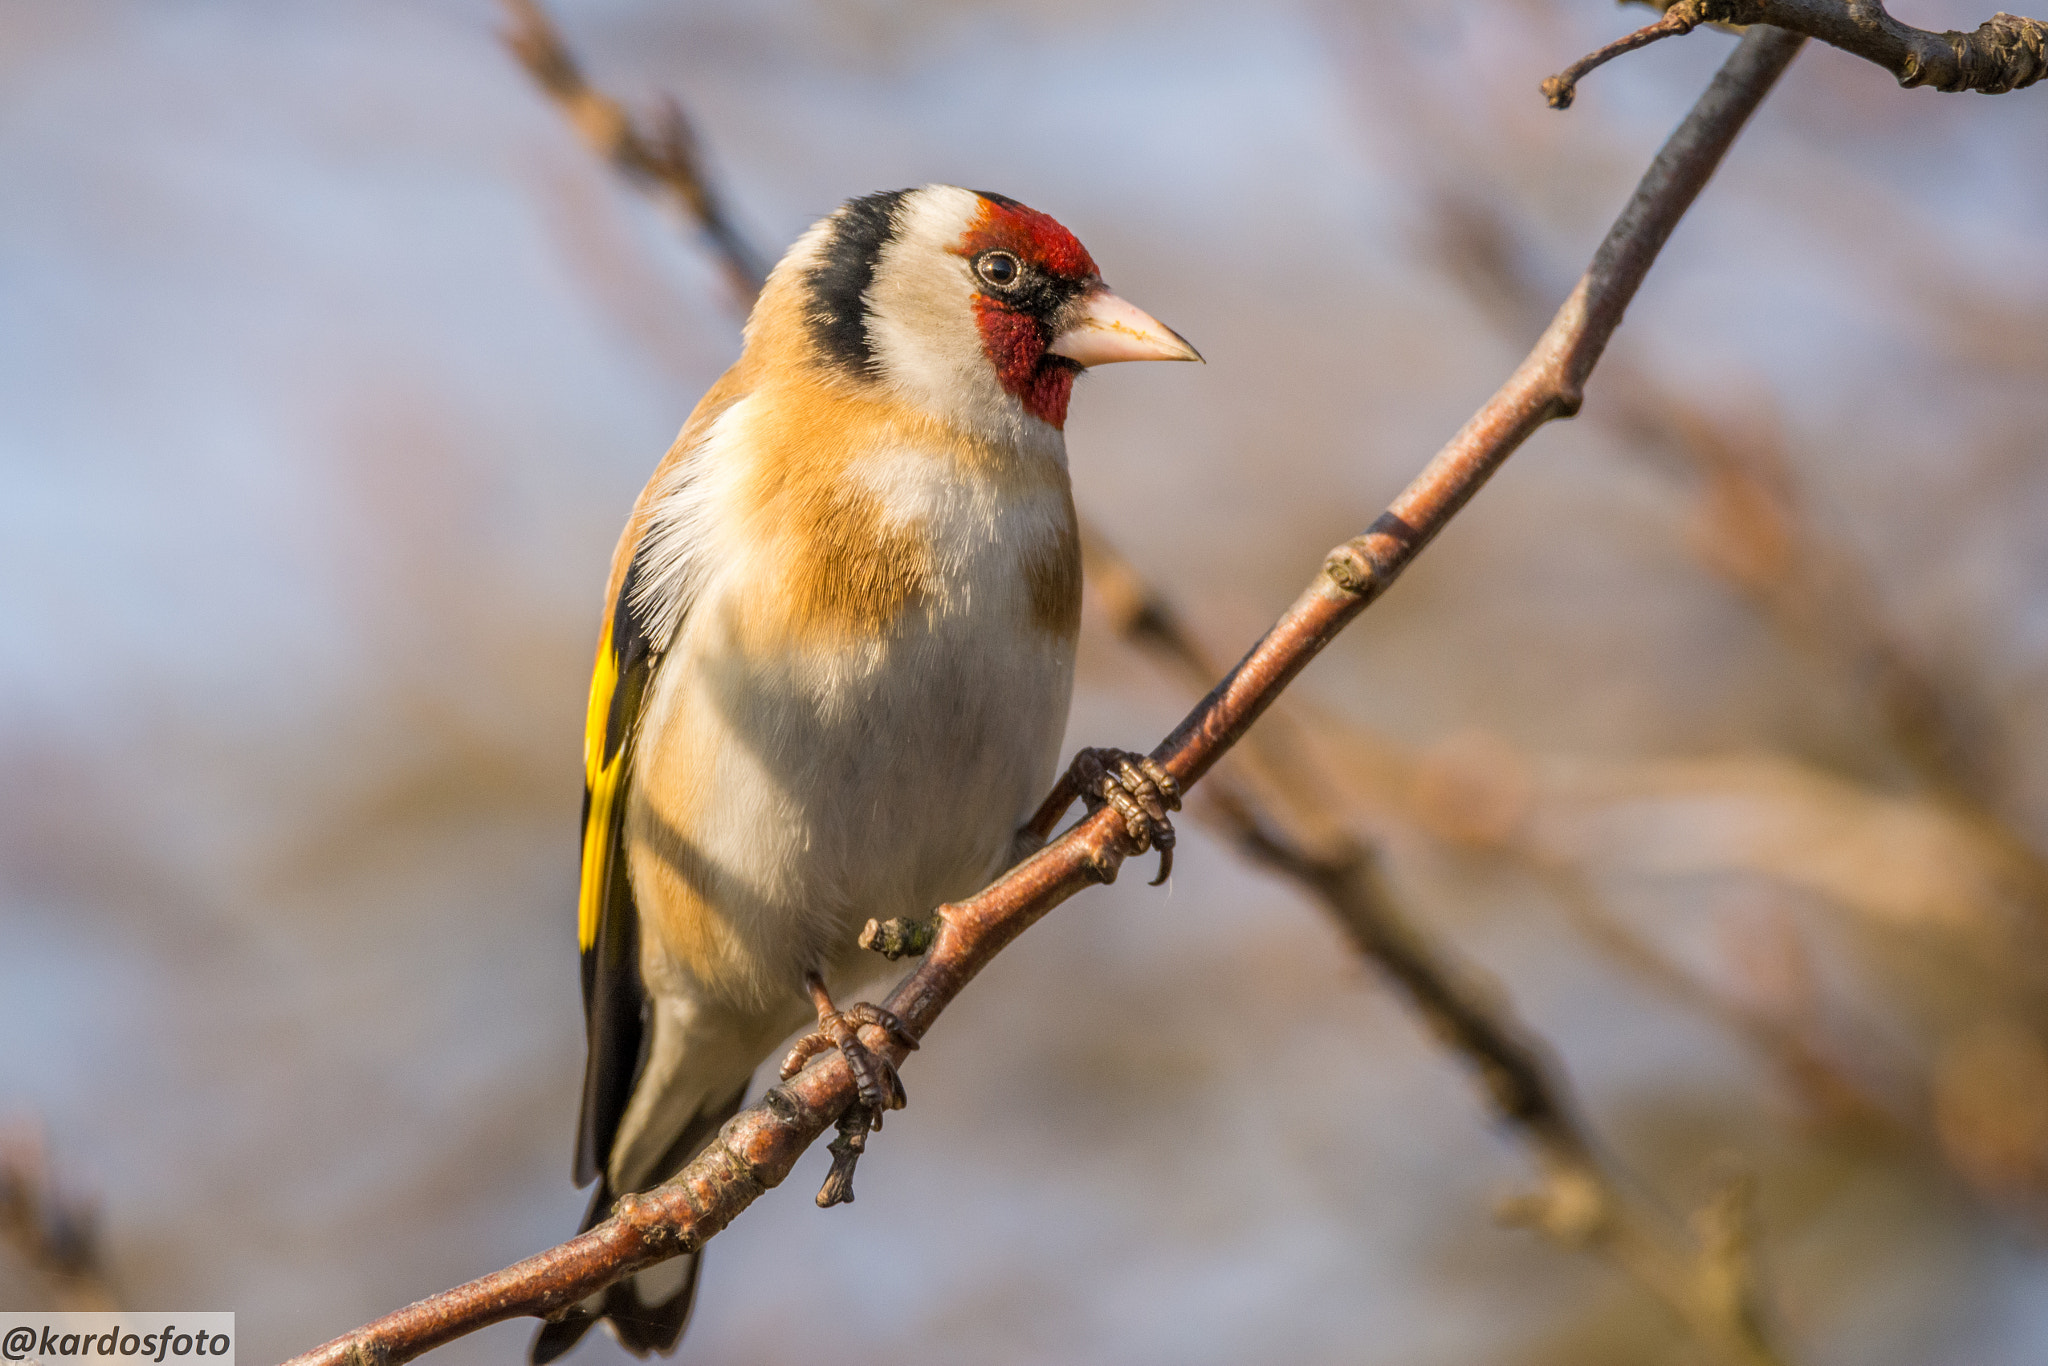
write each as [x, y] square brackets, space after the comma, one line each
[1141, 791]
[880, 1088]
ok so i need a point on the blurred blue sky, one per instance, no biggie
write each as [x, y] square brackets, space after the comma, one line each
[330, 361]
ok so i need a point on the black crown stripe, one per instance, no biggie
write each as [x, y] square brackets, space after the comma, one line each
[846, 268]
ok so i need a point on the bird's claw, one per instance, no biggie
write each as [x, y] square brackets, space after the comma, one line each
[1140, 790]
[880, 1088]
[875, 1076]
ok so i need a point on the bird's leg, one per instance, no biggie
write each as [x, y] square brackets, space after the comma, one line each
[1135, 784]
[880, 1088]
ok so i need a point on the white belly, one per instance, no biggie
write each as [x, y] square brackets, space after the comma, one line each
[786, 799]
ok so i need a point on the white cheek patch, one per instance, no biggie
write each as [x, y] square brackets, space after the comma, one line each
[921, 326]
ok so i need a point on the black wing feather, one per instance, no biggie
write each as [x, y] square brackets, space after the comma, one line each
[614, 998]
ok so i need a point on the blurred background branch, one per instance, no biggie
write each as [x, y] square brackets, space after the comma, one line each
[659, 154]
[49, 1236]
[1752, 527]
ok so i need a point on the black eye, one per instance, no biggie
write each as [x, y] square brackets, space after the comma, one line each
[999, 268]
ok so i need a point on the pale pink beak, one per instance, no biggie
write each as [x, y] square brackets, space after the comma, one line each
[1109, 329]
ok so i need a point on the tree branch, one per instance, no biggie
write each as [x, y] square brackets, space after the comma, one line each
[1679, 20]
[666, 159]
[2005, 52]
[1710, 1290]
[757, 1148]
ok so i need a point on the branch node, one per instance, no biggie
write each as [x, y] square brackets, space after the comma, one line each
[648, 1217]
[2005, 52]
[1101, 864]
[901, 937]
[783, 1105]
[1351, 568]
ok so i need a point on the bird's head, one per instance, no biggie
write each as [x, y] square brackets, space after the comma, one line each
[967, 305]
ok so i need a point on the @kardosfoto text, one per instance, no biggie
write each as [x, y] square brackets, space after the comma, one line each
[126, 1337]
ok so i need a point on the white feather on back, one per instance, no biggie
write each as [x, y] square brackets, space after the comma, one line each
[682, 538]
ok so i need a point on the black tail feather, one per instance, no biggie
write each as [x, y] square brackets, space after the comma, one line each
[642, 1328]
[559, 1335]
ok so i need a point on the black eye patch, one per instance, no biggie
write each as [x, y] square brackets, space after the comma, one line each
[1032, 290]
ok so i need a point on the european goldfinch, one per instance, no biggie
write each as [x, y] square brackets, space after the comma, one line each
[836, 659]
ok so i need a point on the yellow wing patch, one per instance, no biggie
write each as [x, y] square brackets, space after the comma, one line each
[607, 925]
[603, 777]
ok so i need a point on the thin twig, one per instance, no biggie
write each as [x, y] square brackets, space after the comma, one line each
[757, 1148]
[2003, 53]
[665, 158]
[1275, 819]
[1577, 1204]
[1680, 19]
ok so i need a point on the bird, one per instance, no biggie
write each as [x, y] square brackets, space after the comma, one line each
[833, 674]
